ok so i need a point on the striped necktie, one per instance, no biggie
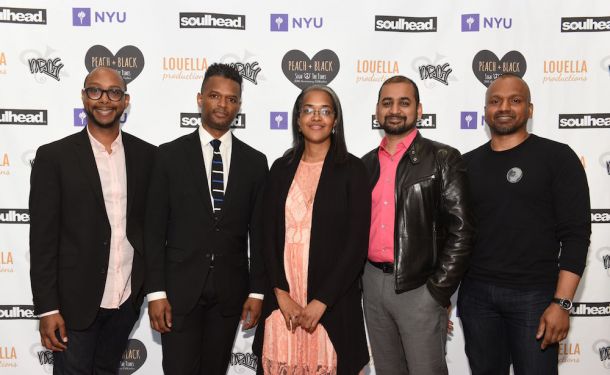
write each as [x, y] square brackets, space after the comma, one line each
[217, 177]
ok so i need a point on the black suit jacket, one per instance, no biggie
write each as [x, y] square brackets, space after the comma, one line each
[69, 227]
[182, 233]
[338, 248]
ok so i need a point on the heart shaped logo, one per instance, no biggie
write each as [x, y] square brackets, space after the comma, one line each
[128, 61]
[487, 67]
[303, 71]
[133, 358]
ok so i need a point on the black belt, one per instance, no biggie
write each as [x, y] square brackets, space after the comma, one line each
[385, 267]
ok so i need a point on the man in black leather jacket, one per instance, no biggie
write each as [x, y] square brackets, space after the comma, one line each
[420, 239]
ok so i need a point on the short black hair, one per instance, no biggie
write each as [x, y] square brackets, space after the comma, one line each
[222, 70]
[400, 79]
[109, 68]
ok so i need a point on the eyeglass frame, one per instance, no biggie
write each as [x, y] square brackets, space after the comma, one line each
[317, 111]
[123, 93]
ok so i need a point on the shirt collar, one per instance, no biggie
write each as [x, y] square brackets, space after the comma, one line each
[225, 141]
[99, 147]
[404, 144]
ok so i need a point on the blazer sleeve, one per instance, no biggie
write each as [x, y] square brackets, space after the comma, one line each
[45, 221]
[155, 222]
[257, 268]
[353, 254]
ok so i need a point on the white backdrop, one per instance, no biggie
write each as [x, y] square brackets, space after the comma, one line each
[561, 48]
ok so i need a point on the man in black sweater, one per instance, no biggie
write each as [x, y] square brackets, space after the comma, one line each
[531, 203]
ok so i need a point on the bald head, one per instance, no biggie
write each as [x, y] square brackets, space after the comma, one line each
[520, 84]
[105, 69]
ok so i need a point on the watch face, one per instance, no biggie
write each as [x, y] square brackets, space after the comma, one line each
[566, 304]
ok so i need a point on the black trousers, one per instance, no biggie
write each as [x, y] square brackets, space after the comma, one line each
[99, 348]
[202, 340]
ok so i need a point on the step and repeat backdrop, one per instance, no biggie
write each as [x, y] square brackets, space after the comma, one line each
[451, 49]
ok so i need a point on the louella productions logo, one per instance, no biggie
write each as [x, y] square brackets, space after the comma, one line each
[80, 117]
[128, 61]
[8, 356]
[43, 356]
[184, 68]
[23, 116]
[487, 67]
[2, 63]
[602, 348]
[247, 360]
[302, 71]
[278, 120]
[439, 73]
[406, 24]
[584, 121]
[427, 121]
[7, 265]
[5, 166]
[590, 309]
[472, 22]
[280, 22]
[82, 17]
[43, 65]
[14, 216]
[564, 71]
[569, 352]
[600, 216]
[13, 312]
[375, 70]
[584, 24]
[603, 256]
[23, 15]
[193, 120]
[190, 20]
[133, 357]
[604, 161]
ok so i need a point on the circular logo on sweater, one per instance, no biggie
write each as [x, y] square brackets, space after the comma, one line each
[514, 175]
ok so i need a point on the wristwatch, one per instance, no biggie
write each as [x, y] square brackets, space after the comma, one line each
[564, 303]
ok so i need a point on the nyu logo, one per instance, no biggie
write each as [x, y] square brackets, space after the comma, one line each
[468, 120]
[278, 120]
[82, 17]
[472, 22]
[80, 117]
[280, 21]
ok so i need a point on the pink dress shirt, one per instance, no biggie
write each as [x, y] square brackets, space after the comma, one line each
[381, 240]
[113, 176]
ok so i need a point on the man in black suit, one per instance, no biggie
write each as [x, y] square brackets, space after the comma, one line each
[204, 204]
[87, 203]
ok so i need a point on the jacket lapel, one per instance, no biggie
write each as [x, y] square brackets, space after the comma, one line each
[197, 166]
[130, 166]
[89, 167]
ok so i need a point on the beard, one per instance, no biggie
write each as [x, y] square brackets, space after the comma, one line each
[397, 129]
[92, 120]
[506, 129]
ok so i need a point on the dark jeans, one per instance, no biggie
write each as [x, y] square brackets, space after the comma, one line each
[500, 327]
[99, 348]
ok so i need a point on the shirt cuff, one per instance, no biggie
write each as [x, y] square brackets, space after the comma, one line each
[256, 295]
[49, 313]
[156, 295]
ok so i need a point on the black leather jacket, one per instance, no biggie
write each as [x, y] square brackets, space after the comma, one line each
[433, 226]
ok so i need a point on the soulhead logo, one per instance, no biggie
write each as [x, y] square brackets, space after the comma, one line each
[23, 116]
[12, 312]
[189, 20]
[281, 22]
[472, 22]
[600, 216]
[82, 17]
[23, 15]
[590, 309]
[427, 121]
[14, 216]
[584, 121]
[584, 24]
[406, 24]
[193, 120]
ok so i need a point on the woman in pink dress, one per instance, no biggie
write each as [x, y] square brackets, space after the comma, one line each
[317, 212]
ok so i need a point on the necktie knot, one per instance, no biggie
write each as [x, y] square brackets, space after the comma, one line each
[215, 144]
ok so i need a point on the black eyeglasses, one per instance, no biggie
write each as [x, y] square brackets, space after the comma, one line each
[95, 93]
